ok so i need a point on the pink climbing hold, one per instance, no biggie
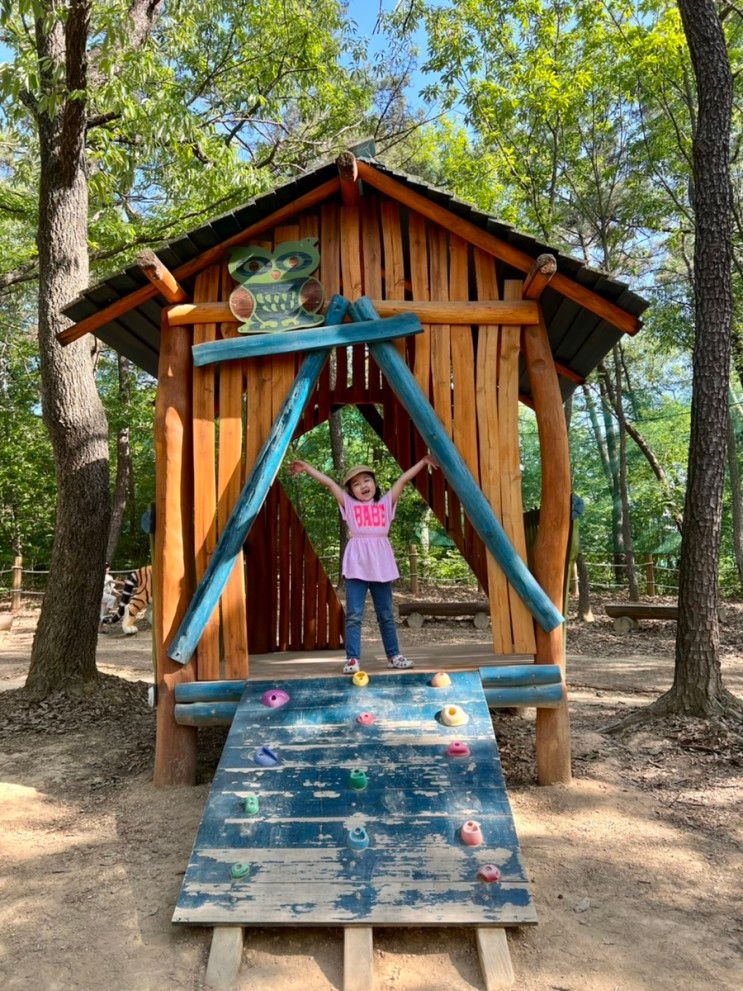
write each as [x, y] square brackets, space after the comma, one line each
[471, 833]
[366, 718]
[458, 748]
[489, 873]
[274, 698]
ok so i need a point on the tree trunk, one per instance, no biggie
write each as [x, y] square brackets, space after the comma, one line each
[627, 538]
[124, 470]
[585, 613]
[614, 485]
[63, 654]
[736, 502]
[697, 686]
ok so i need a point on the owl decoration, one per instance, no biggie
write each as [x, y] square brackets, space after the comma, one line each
[276, 291]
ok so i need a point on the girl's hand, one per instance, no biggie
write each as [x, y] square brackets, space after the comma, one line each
[429, 460]
[297, 467]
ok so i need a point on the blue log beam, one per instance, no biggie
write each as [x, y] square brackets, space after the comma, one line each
[508, 676]
[458, 475]
[540, 696]
[246, 509]
[205, 713]
[338, 335]
[211, 691]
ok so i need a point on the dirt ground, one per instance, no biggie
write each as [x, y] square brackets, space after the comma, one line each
[635, 867]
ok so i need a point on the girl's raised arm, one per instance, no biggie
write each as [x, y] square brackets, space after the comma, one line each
[298, 467]
[396, 490]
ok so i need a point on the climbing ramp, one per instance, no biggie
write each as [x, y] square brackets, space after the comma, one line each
[294, 857]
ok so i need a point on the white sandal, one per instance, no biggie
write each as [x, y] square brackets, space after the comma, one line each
[351, 666]
[399, 661]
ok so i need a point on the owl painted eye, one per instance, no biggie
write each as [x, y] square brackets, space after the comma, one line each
[247, 262]
[297, 259]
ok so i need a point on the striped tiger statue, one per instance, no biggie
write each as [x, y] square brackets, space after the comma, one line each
[135, 600]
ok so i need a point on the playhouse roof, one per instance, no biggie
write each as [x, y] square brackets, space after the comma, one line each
[579, 337]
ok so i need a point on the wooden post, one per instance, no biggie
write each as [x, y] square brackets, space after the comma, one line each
[413, 569]
[551, 544]
[574, 580]
[650, 577]
[15, 601]
[175, 747]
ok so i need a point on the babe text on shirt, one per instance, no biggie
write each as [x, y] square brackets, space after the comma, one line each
[370, 514]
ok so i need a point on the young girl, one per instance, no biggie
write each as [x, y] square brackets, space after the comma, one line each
[368, 561]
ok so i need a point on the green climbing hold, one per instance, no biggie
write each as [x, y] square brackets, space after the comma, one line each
[358, 780]
[239, 871]
[251, 804]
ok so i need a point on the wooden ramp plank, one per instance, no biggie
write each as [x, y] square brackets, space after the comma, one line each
[358, 958]
[416, 870]
[224, 956]
[495, 960]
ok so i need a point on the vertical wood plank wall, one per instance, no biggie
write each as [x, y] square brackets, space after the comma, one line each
[470, 375]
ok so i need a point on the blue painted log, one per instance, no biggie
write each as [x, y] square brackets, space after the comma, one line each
[542, 696]
[210, 691]
[337, 335]
[510, 676]
[205, 713]
[458, 475]
[246, 509]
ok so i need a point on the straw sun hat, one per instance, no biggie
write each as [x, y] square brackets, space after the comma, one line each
[358, 470]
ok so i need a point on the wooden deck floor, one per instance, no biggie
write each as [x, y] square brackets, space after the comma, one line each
[429, 657]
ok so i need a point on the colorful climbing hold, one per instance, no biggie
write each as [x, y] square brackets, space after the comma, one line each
[274, 698]
[489, 873]
[471, 833]
[251, 804]
[360, 679]
[358, 780]
[458, 748]
[358, 838]
[239, 871]
[440, 680]
[453, 715]
[266, 757]
[366, 718]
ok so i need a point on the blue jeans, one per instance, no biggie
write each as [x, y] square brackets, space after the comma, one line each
[381, 593]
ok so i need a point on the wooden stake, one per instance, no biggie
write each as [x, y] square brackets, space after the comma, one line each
[161, 277]
[175, 746]
[358, 958]
[495, 960]
[539, 276]
[348, 173]
[225, 956]
[15, 600]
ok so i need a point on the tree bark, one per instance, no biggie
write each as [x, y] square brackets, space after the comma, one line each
[585, 613]
[736, 501]
[124, 470]
[627, 538]
[63, 653]
[697, 686]
[614, 486]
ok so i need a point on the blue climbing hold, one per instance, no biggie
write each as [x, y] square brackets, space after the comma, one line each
[358, 838]
[266, 757]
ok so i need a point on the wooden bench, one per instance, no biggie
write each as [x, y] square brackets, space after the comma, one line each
[415, 612]
[627, 614]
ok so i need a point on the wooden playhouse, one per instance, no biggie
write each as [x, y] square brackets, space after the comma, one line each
[506, 320]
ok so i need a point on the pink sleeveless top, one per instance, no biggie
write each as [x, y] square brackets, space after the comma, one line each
[368, 553]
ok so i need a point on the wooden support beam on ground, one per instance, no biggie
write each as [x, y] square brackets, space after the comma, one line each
[200, 262]
[358, 958]
[495, 960]
[520, 260]
[161, 277]
[224, 956]
[348, 173]
[539, 276]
